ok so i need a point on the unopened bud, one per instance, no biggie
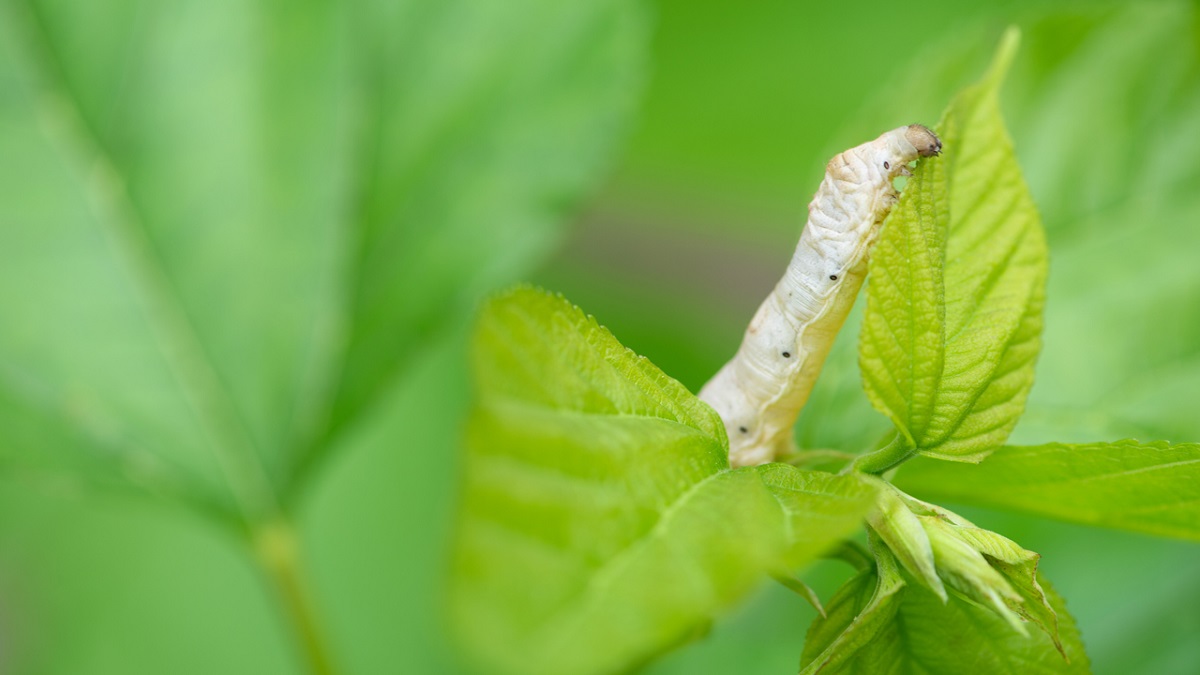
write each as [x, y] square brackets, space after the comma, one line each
[940, 548]
[903, 533]
[966, 570]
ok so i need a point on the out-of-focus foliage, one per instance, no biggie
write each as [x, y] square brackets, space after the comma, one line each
[232, 226]
[1132, 486]
[231, 231]
[600, 521]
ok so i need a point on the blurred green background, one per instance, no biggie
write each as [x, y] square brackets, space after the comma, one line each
[685, 223]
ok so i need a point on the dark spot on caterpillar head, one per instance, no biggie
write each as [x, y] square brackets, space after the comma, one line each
[787, 355]
[886, 165]
[743, 429]
[833, 277]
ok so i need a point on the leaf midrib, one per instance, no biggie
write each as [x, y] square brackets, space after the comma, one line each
[119, 216]
[606, 574]
[1041, 480]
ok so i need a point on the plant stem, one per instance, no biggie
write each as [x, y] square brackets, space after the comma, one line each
[895, 453]
[277, 549]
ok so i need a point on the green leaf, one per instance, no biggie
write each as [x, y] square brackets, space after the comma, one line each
[477, 158]
[1019, 589]
[600, 523]
[1121, 223]
[803, 590]
[957, 286]
[1152, 488]
[1034, 606]
[1119, 215]
[1081, 86]
[877, 624]
[859, 612]
[230, 226]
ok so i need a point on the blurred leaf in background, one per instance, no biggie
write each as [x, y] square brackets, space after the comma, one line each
[238, 238]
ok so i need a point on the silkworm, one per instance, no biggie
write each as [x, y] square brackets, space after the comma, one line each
[760, 392]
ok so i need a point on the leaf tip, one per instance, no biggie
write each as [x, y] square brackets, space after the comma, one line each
[1006, 51]
[939, 589]
[803, 590]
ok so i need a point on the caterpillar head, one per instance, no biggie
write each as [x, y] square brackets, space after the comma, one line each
[923, 140]
[894, 150]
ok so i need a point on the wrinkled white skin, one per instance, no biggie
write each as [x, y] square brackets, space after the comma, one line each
[760, 392]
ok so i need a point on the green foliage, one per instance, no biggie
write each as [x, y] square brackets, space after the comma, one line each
[600, 522]
[241, 238]
[225, 250]
[1118, 215]
[1102, 106]
[880, 623]
[942, 550]
[566, 438]
[234, 234]
[1152, 488]
[954, 307]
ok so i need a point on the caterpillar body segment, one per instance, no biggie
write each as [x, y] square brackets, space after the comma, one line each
[760, 392]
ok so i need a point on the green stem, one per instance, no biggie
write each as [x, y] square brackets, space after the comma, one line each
[890, 456]
[278, 552]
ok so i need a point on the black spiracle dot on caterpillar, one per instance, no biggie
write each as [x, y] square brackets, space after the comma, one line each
[887, 165]
[833, 277]
[787, 355]
[743, 430]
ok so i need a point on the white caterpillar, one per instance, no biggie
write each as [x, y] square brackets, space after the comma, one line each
[760, 392]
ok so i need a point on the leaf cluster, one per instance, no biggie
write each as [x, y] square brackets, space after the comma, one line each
[604, 483]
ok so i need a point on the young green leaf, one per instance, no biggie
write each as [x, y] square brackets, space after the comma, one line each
[803, 590]
[600, 523]
[228, 228]
[1120, 215]
[1034, 606]
[859, 612]
[957, 286]
[907, 629]
[1152, 488]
